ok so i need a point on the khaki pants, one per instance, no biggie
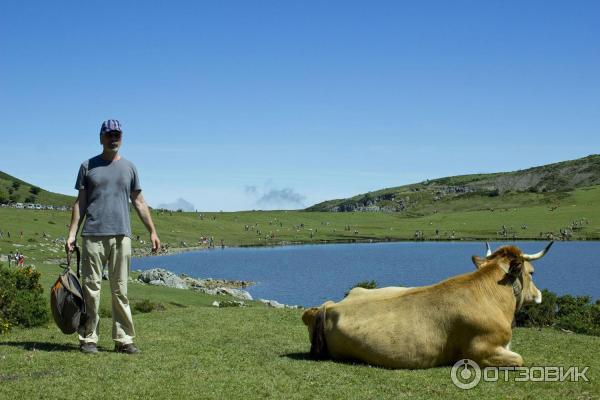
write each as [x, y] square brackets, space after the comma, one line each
[98, 251]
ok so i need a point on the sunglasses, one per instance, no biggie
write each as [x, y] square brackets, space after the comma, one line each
[114, 134]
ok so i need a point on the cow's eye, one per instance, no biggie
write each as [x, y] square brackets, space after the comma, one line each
[531, 273]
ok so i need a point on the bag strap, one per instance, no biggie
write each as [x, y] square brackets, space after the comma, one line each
[69, 256]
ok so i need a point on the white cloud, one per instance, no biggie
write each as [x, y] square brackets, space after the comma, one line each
[272, 197]
[179, 204]
[282, 197]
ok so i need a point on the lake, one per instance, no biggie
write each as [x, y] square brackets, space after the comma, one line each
[308, 275]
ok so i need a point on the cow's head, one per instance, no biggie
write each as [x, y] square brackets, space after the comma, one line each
[518, 270]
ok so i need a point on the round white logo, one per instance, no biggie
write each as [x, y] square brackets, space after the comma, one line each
[465, 374]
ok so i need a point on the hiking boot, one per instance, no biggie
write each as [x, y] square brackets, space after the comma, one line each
[88, 348]
[128, 348]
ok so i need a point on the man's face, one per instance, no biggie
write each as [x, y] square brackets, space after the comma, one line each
[111, 141]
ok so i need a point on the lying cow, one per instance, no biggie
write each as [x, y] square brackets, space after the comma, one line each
[466, 316]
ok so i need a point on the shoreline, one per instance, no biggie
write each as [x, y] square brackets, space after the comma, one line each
[181, 250]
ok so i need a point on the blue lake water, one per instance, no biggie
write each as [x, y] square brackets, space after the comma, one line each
[308, 275]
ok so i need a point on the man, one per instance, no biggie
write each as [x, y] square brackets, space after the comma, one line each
[106, 183]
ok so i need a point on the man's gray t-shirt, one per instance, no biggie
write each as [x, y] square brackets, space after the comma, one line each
[108, 185]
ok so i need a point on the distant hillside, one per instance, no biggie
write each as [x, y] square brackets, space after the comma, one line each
[15, 190]
[479, 191]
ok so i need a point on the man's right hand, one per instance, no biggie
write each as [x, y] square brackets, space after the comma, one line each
[76, 219]
[70, 245]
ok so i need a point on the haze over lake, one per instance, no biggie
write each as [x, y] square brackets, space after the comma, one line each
[311, 274]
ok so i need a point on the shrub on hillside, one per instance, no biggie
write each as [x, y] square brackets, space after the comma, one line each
[539, 315]
[574, 313]
[578, 314]
[21, 298]
[146, 306]
[363, 284]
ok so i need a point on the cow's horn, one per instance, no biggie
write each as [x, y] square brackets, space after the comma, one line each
[537, 256]
[489, 251]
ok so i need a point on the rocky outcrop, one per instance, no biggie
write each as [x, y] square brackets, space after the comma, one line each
[211, 283]
[228, 303]
[163, 277]
[215, 287]
[237, 293]
[275, 304]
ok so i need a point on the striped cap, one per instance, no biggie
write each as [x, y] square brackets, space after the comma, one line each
[110, 125]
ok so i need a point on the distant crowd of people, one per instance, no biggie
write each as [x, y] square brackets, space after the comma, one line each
[7, 234]
[18, 258]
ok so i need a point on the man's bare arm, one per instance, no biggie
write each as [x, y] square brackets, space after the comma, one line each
[144, 213]
[77, 216]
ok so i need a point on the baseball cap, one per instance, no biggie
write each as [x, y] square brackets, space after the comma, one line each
[110, 125]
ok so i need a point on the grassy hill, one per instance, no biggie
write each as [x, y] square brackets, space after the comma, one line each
[15, 190]
[550, 182]
[193, 350]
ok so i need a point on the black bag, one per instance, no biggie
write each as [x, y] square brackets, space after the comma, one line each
[66, 298]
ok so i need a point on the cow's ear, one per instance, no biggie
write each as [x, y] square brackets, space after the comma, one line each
[504, 264]
[516, 267]
[512, 267]
[478, 261]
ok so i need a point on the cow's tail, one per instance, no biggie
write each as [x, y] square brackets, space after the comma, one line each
[314, 318]
[318, 347]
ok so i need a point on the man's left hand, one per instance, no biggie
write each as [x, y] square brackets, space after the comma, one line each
[155, 242]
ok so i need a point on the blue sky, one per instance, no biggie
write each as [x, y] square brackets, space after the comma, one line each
[279, 104]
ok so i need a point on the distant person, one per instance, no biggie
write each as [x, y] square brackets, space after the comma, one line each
[106, 183]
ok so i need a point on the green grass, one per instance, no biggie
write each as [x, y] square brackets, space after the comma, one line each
[193, 350]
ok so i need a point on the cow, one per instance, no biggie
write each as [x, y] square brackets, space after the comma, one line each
[466, 316]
